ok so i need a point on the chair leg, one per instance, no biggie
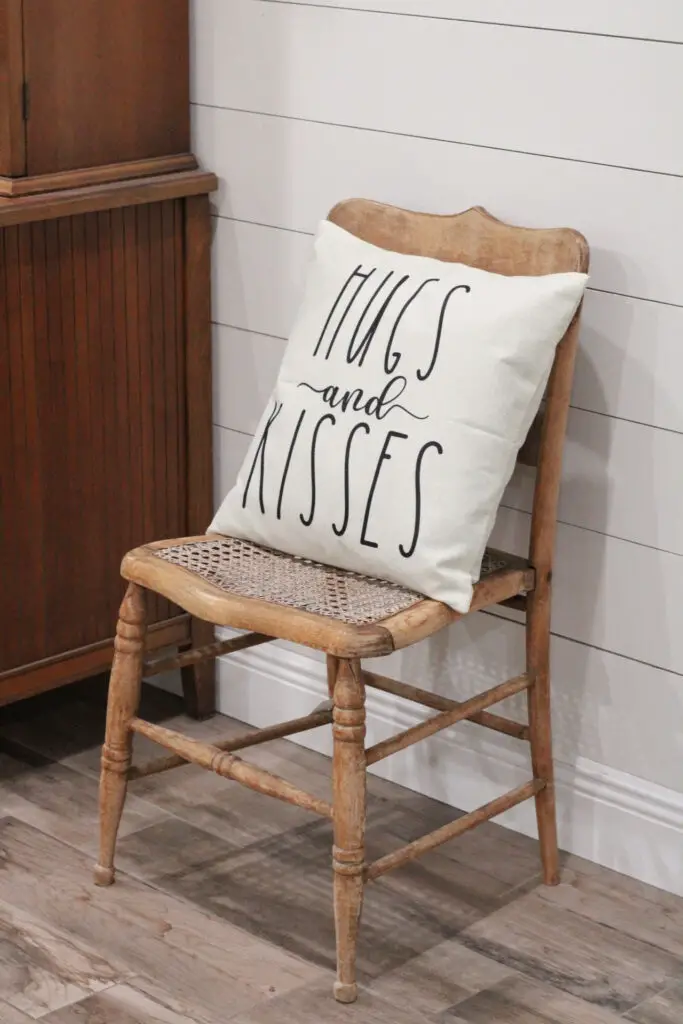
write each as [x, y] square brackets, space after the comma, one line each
[199, 681]
[122, 706]
[349, 768]
[332, 669]
[540, 733]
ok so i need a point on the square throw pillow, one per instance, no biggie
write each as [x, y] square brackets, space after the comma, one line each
[406, 390]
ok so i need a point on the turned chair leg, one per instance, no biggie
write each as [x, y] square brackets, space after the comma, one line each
[332, 669]
[540, 731]
[199, 680]
[122, 706]
[348, 772]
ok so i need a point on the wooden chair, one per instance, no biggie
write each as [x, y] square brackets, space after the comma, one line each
[232, 583]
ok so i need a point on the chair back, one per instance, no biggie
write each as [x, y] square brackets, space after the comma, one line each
[476, 238]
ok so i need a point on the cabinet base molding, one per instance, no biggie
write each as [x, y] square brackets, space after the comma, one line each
[80, 177]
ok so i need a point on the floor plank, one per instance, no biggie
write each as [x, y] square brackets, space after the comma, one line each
[518, 1000]
[280, 889]
[70, 721]
[508, 856]
[638, 910]
[10, 1015]
[314, 1005]
[138, 928]
[223, 912]
[436, 980]
[665, 1008]
[126, 1004]
[42, 969]
[585, 958]
[59, 801]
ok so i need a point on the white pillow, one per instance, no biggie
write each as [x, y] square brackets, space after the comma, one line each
[406, 390]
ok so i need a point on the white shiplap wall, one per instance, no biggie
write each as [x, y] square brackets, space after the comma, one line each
[546, 114]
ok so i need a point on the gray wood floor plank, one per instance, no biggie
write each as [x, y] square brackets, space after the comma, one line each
[42, 969]
[231, 889]
[640, 911]
[580, 956]
[10, 1015]
[508, 856]
[443, 976]
[126, 1004]
[137, 928]
[280, 889]
[314, 1004]
[70, 721]
[518, 1000]
[61, 802]
[665, 1008]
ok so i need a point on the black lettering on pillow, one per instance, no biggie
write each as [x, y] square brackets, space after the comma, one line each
[384, 457]
[418, 496]
[260, 454]
[327, 416]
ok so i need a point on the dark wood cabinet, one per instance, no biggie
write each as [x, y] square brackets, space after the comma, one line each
[105, 396]
[92, 87]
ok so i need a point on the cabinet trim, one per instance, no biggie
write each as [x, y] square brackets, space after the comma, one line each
[124, 171]
[111, 196]
[27, 680]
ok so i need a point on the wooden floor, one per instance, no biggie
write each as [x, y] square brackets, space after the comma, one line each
[222, 910]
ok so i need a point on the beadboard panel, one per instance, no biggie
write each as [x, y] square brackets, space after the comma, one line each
[78, 423]
[630, 359]
[609, 593]
[662, 20]
[364, 69]
[289, 173]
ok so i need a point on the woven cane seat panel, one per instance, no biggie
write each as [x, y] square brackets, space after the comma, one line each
[247, 570]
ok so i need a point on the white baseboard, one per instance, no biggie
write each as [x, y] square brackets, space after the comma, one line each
[606, 816]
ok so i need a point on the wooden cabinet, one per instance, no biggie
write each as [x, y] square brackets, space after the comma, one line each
[105, 394]
[97, 88]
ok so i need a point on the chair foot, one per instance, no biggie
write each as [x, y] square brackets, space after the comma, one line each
[103, 876]
[345, 993]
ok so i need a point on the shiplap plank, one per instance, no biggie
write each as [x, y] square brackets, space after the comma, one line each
[258, 276]
[290, 173]
[661, 20]
[610, 593]
[449, 80]
[620, 478]
[630, 359]
[245, 367]
[229, 449]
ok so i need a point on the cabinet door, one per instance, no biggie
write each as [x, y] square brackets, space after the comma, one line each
[12, 138]
[108, 81]
[93, 450]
